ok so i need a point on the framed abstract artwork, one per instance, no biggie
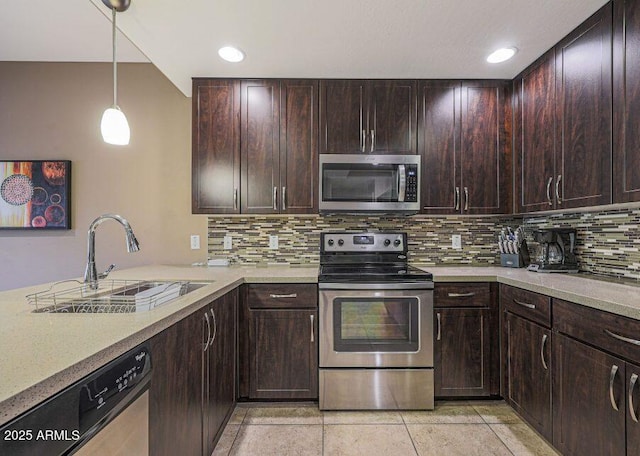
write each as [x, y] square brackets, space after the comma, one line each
[35, 194]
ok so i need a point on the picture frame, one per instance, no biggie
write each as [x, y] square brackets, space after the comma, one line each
[35, 194]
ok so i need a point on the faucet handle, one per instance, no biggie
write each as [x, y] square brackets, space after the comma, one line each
[104, 274]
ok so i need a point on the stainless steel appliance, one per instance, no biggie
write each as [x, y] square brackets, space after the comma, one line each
[369, 183]
[106, 412]
[555, 251]
[376, 324]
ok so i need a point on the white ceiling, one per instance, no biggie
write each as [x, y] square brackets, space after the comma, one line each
[296, 38]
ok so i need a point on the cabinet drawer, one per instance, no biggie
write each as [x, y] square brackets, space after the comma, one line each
[283, 295]
[527, 304]
[462, 295]
[613, 333]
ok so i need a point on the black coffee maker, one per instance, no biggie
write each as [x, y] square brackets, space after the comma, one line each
[555, 252]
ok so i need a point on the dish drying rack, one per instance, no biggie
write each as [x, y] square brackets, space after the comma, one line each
[111, 296]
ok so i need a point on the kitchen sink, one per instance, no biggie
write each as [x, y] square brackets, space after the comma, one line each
[113, 296]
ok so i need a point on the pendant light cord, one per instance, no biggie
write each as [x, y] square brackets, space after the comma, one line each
[115, 70]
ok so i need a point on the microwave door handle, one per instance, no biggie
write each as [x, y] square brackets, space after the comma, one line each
[402, 182]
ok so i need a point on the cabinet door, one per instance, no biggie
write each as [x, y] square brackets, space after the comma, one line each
[283, 354]
[588, 385]
[260, 115]
[222, 365]
[583, 158]
[175, 395]
[343, 122]
[633, 395]
[299, 147]
[534, 129]
[529, 372]
[216, 146]
[484, 148]
[392, 117]
[626, 101]
[439, 146]
[461, 352]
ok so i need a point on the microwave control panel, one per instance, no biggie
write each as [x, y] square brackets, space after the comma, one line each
[411, 192]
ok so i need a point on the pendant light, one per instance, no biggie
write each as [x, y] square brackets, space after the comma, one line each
[114, 126]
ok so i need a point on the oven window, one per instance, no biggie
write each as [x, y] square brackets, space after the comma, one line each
[359, 182]
[375, 324]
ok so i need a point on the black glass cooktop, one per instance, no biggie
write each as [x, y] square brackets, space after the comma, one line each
[372, 273]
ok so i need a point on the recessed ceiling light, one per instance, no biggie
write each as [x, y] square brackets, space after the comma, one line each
[231, 54]
[501, 55]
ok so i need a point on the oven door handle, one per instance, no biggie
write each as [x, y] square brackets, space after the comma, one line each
[377, 286]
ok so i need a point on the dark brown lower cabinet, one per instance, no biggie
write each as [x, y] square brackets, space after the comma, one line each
[529, 371]
[278, 342]
[589, 400]
[192, 391]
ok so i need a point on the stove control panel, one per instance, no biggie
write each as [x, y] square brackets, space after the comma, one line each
[364, 242]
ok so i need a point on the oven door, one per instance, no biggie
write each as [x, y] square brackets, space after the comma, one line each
[368, 326]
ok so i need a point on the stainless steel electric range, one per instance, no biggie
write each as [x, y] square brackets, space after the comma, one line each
[376, 324]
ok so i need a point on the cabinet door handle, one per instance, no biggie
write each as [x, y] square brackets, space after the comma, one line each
[622, 338]
[460, 295]
[612, 377]
[373, 139]
[279, 296]
[466, 198]
[284, 198]
[558, 189]
[313, 330]
[632, 386]
[457, 199]
[544, 342]
[215, 327]
[439, 331]
[206, 344]
[235, 199]
[525, 304]
[275, 198]
[363, 139]
[549, 191]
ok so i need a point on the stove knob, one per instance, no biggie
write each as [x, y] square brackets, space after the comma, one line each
[396, 242]
[340, 242]
[330, 242]
[387, 242]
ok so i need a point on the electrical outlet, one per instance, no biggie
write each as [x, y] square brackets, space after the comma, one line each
[227, 243]
[456, 241]
[195, 242]
[273, 242]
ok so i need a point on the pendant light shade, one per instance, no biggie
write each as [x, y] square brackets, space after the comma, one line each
[114, 126]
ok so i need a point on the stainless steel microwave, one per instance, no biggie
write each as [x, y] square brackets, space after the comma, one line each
[369, 183]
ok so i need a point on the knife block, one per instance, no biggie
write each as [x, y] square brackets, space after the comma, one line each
[516, 260]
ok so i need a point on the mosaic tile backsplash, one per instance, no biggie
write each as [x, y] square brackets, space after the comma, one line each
[608, 242]
[299, 237]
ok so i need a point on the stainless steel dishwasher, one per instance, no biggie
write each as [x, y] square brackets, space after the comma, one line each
[105, 413]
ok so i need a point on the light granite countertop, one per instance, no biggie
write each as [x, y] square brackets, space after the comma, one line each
[43, 353]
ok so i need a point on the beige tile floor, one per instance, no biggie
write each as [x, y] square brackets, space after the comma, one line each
[453, 428]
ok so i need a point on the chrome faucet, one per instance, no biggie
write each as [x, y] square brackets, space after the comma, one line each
[91, 276]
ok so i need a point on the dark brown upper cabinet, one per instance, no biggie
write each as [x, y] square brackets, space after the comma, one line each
[215, 146]
[464, 140]
[626, 101]
[279, 153]
[584, 114]
[534, 136]
[372, 116]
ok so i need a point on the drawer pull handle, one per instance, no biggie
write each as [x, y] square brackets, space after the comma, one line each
[612, 377]
[544, 342]
[439, 332]
[632, 386]
[312, 329]
[524, 304]
[622, 338]
[206, 344]
[279, 296]
[460, 295]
